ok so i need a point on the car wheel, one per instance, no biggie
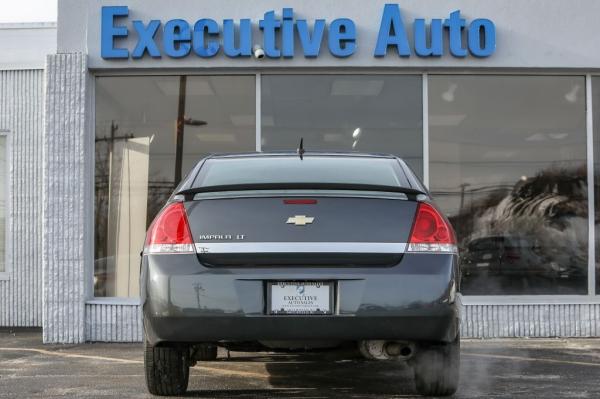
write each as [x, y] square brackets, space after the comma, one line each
[436, 369]
[167, 369]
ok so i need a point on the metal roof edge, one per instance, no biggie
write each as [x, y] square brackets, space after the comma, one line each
[28, 25]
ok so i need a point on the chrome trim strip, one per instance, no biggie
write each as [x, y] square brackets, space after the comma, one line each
[301, 247]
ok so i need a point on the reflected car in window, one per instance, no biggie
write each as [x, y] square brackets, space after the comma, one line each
[482, 254]
[512, 260]
[505, 256]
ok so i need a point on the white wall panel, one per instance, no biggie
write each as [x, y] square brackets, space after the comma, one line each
[113, 323]
[536, 320]
[22, 114]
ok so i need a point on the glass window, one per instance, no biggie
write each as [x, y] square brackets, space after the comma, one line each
[508, 166]
[3, 199]
[312, 169]
[150, 131]
[596, 113]
[366, 113]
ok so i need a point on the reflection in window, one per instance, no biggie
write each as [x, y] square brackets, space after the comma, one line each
[508, 166]
[150, 131]
[366, 113]
[3, 199]
[596, 113]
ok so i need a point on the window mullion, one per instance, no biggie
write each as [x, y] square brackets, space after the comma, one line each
[590, 181]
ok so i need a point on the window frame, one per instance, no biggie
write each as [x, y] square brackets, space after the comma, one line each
[6, 274]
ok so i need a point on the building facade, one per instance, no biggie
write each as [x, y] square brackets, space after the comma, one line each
[497, 111]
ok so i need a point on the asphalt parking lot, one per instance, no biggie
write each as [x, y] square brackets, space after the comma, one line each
[493, 369]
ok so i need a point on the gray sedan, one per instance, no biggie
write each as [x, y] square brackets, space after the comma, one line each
[286, 251]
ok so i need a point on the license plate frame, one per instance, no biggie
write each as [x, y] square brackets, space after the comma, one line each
[292, 286]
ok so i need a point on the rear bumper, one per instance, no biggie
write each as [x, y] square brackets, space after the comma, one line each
[184, 301]
[441, 327]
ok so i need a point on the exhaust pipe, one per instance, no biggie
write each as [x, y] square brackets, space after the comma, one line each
[386, 350]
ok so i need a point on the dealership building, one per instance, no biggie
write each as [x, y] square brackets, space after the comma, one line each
[494, 104]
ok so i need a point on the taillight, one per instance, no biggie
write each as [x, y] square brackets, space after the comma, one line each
[431, 232]
[170, 232]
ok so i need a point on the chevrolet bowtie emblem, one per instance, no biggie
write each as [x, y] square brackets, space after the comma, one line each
[300, 220]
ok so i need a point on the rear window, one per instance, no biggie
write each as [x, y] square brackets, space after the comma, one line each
[313, 169]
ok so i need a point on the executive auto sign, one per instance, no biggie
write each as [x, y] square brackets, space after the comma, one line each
[205, 38]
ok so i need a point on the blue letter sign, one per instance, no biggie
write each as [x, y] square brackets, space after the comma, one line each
[342, 36]
[392, 33]
[110, 31]
[284, 36]
[177, 38]
[146, 39]
[488, 29]
[202, 29]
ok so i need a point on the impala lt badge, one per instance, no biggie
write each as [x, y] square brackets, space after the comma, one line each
[300, 220]
[222, 237]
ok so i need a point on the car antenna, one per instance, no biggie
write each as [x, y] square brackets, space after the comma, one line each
[301, 150]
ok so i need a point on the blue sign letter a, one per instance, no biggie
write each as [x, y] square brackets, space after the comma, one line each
[392, 33]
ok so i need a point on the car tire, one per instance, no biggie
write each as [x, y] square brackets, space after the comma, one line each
[206, 352]
[167, 369]
[436, 369]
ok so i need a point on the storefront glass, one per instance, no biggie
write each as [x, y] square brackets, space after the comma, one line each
[142, 152]
[507, 159]
[508, 165]
[366, 113]
[596, 113]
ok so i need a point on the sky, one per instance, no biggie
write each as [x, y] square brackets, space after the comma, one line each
[27, 11]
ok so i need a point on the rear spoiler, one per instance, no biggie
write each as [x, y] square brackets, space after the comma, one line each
[410, 192]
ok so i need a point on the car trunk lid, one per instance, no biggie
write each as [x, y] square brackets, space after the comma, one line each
[302, 231]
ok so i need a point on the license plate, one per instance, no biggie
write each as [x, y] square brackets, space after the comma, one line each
[300, 297]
